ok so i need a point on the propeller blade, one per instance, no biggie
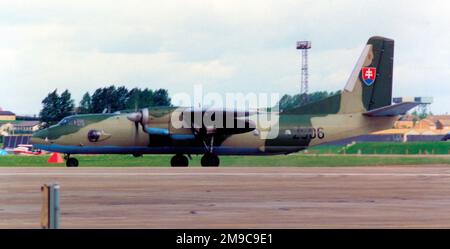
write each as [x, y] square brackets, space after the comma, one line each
[135, 117]
[141, 117]
[136, 132]
[144, 119]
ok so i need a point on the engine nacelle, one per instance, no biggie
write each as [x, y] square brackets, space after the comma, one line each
[142, 117]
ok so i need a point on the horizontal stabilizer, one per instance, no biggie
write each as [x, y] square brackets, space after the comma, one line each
[392, 110]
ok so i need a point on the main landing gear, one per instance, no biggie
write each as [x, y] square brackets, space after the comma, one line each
[70, 161]
[208, 160]
[179, 160]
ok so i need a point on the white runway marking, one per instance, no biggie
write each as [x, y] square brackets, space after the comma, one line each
[87, 174]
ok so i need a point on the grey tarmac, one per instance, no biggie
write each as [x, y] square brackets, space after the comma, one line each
[232, 197]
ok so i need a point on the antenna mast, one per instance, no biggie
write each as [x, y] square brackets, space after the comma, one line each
[304, 46]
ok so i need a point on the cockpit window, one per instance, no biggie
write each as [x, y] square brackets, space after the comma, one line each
[72, 122]
[63, 122]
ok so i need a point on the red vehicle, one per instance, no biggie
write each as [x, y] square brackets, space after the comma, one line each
[26, 149]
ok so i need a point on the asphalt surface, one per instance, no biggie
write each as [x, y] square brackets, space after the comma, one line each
[232, 197]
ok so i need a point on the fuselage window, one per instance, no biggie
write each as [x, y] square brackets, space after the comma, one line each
[78, 122]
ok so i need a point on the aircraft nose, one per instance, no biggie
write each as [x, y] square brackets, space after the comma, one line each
[40, 137]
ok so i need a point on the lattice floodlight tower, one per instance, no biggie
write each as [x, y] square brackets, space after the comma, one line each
[304, 46]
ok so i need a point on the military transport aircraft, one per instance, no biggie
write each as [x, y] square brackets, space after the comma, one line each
[363, 106]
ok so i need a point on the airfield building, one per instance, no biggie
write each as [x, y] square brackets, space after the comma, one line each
[7, 115]
[16, 132]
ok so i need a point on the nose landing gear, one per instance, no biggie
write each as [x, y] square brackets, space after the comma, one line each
[70, 161]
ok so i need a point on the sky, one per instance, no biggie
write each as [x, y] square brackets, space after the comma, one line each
[226, 46]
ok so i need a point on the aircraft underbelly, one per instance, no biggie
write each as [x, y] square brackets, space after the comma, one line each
[221, 150]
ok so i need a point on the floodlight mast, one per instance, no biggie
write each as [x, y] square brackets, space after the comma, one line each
[304, 46]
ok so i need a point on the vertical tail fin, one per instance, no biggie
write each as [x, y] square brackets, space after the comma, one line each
[370, 84]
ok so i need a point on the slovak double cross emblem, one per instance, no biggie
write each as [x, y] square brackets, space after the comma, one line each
[368, 75]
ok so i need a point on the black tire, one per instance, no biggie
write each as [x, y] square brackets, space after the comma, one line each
[137, 155]
[72, 162]
[179, 161]
[210, 160]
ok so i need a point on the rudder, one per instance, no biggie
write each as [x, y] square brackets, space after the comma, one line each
[376, 59]
[379, 94]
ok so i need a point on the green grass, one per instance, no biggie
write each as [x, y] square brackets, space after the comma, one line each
[416, 148]
[324, 149]
[294, 160]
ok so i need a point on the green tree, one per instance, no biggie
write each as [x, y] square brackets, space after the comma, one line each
[85, 104]
[65, 105]
[134, 99]
[115, 99]
[121, 97]
[146, 98]
[422, 113]
[49, 112]
[101, 99]
[161, 98]
[56, 107]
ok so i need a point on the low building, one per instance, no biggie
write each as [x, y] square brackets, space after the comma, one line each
[409, 117]
[426, 124]
[401, 124]
[12, 128]
[443, 124]
[407, 121]
[16, 132]
[415, 134]
[7, 115]
[435, 118]
[25, 127]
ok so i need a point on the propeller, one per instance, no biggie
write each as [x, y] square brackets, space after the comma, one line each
[140, 117]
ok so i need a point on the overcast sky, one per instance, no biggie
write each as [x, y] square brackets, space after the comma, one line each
[227, 46]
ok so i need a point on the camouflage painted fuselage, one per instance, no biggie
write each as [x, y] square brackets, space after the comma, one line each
[337, 117]
[118, 135]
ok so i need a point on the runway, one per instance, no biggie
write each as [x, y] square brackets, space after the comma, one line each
[232, 197]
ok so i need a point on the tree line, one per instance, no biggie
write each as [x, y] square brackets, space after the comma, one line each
[111, 99]
[292, 101]
[107, 99]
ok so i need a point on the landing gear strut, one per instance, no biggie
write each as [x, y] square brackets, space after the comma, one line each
[70, 161]
[210, 160]
[179, 161]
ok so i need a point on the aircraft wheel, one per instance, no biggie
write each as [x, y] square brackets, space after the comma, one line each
[210, 160]
[72, 162]
[179, 161]
[137, 155]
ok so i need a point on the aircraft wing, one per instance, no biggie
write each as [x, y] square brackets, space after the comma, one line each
[236, 112]
[392, 110]
[222, 122]
[240, 121]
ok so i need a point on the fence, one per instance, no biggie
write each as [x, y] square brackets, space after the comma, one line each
[368, 138]
[11, 142]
